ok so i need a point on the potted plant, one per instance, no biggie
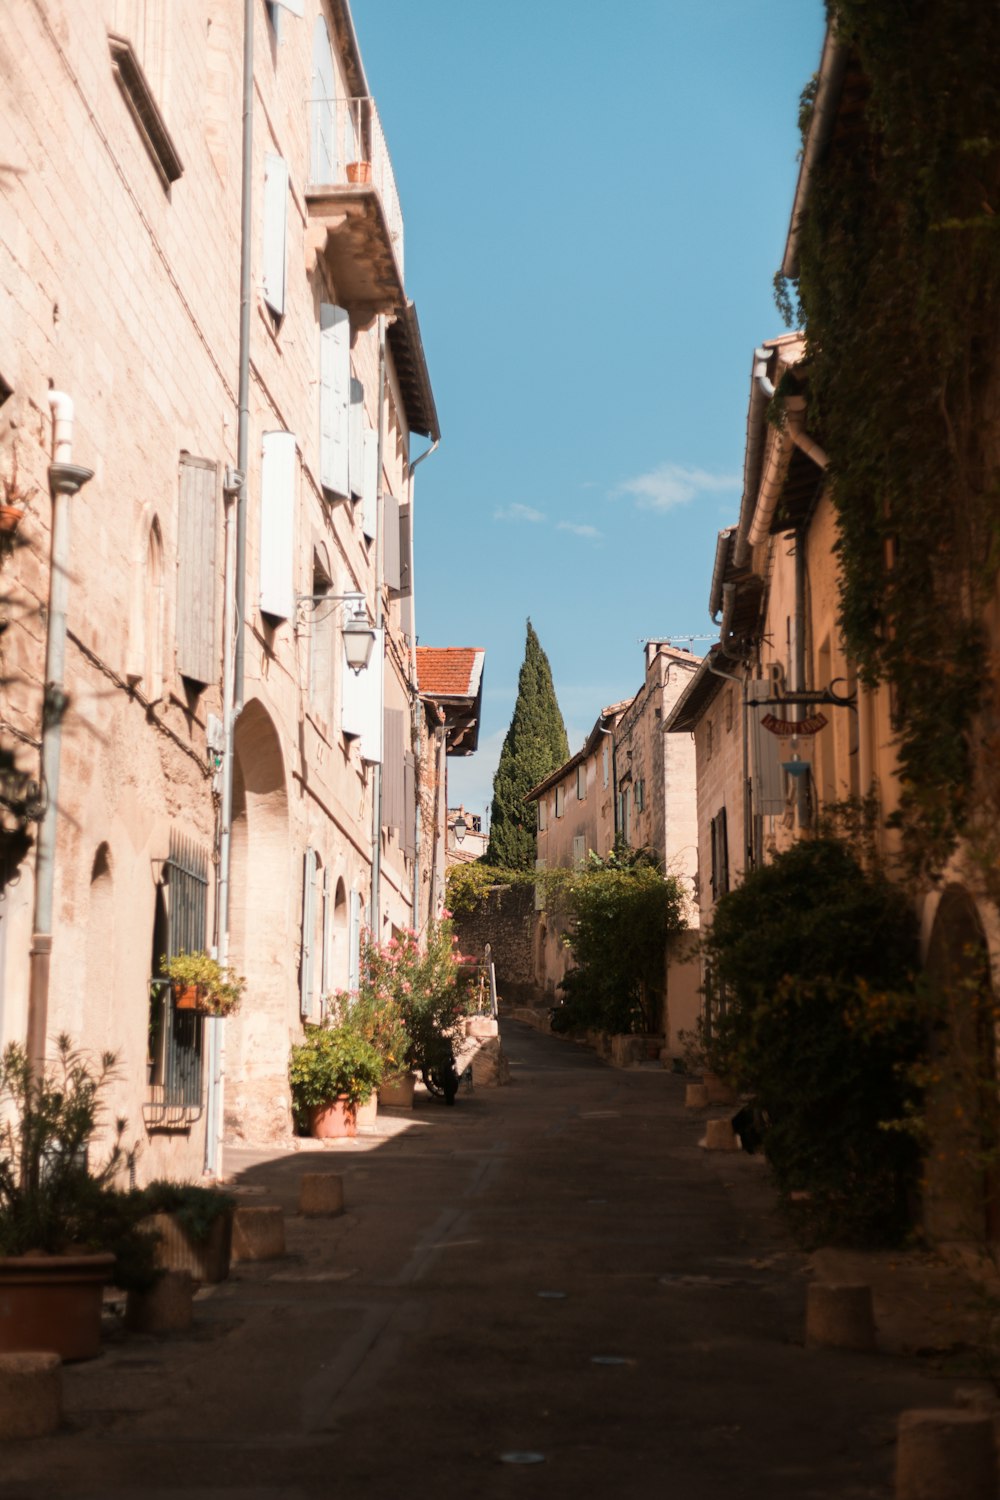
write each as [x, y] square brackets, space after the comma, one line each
[331, 1072]
[65, 1229]
[199, 982]
[359, 171]
[192, 1226]
[378, 1016]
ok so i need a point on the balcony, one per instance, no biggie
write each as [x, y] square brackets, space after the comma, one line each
[355, 221]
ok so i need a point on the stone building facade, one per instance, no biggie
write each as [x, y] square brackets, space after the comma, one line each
[226, 780]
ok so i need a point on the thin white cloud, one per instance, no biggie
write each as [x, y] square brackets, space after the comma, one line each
[671, 485]
[590, 532]
[517, 512]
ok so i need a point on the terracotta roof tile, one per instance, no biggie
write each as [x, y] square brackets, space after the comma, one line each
[449, 671]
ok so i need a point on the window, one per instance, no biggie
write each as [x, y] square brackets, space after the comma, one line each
[196, 540]
[625, 814]
[275, 230]
[560, 801]
[322, 109]
[174, 1094]
[139, 58]
[543, 814]
[604, 763]
[730, 697]
[581, 783]
[640, 794]
[308, 938]
[709, 739]
[579, 848]
[720, 854]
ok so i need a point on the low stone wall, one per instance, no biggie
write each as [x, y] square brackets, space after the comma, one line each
[505, 920]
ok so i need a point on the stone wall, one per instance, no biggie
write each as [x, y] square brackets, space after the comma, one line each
[506, 920]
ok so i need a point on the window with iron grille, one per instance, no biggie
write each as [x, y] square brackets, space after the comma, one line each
[176, 1038]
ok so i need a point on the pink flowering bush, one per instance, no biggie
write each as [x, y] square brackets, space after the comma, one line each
[426, 988]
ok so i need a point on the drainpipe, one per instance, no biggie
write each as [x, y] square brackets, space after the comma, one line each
[375, 921]
[65, 480]
[234, 646]
[415, 690]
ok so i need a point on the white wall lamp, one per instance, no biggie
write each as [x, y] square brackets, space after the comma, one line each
[357, 631]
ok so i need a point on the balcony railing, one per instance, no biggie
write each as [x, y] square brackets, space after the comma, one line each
[347, 148]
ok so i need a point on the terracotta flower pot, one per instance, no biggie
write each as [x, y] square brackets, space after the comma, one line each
[359, 171]
[335, 1120]
[188, 996]
[53, 1302]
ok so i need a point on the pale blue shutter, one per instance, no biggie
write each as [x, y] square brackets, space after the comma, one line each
[369, 498]
[354, 943]
[275, 222]
[326, 965]
[322, 109]
[334, 397]
[308, 930]
[277, 525]
[390, 542]
[357, 439]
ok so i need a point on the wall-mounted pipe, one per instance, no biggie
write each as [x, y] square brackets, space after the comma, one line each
[66, 479]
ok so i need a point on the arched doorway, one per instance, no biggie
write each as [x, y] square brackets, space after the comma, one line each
[962, 1170]
[260, 929]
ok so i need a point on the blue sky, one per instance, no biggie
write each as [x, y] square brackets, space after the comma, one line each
[596, 199]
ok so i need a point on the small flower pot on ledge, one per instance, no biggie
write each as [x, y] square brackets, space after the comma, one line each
[359, 171]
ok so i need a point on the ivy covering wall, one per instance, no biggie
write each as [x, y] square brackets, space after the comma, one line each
[899, 291]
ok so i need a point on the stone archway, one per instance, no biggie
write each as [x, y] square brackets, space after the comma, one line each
[259, 927]
[962, 1169]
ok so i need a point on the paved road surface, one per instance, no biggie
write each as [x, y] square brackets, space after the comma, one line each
[553, 1268]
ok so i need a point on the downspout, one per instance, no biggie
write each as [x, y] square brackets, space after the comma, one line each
[65, 480]
[375, 918]
[416, 709]
[234, 644]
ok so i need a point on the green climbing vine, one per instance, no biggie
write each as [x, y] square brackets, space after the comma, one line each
[899, 289]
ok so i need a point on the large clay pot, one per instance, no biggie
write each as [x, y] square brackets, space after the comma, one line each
[207, 1260]
[334, 1121]
[397, 1093]
[53, 1302]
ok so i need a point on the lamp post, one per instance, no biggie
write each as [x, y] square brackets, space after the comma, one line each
[460, 828]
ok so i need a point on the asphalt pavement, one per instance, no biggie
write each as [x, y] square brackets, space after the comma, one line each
[548, 1290]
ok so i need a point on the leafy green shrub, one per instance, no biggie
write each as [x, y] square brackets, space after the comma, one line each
[619, 915]
[195, 1208]
[333, 1062]
[816, 1016]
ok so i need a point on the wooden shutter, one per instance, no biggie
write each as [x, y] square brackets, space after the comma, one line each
[393, 786]
[579, 848]
[334, 398]
[405, 551]
[369, 498]
[356, 440]
[277, 525]
[308, 930]
[275, 229]
[390, 541]
[196, 543]
[765, 752]
[604, 763]
[354, 943]
[409, 804]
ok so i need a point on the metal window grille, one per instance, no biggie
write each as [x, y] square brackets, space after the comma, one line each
[177, 1037]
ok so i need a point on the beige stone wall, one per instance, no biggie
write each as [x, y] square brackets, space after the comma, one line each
[126, 295]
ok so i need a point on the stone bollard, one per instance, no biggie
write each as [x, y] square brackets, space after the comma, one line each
[945, 1455]
[30, 1394]
[839, 1317]
[720, 1136]
[258, 1232]
[695, 1096]
[718, 1091]
[321, 1194]
[165, 1307]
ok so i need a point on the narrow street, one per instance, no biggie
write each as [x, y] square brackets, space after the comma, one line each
[553, 1268]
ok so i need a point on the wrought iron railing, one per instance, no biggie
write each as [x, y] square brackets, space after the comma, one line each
[346, 147]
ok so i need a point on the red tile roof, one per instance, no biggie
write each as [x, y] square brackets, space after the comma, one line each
[449, 671]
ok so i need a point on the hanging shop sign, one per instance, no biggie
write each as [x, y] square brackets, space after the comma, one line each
[788, 727]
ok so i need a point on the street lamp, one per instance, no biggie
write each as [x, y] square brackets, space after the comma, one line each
[359, 635]
[460, 828]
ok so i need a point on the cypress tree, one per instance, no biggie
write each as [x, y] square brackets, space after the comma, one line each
[535, 745]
